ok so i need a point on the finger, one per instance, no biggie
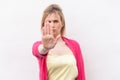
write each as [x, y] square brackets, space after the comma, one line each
[51, 30]
[47, 29]
[43, 31]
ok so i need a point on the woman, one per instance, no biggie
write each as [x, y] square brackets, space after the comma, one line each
[59, 58]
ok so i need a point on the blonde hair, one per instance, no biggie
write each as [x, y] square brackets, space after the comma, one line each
[54, 8]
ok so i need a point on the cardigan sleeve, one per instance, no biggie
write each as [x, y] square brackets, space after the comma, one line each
[35, 51]
[80, 62]
[41, 60]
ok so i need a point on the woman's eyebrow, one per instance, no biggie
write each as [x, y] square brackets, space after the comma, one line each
[55, 20]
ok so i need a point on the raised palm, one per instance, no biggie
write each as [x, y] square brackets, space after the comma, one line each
[48, 39]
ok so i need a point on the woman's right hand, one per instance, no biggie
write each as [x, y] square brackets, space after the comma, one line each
[48, 39]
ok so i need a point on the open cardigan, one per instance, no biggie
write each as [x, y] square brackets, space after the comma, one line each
[75, 48]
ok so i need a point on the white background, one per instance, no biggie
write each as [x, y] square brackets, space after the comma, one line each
[95, 24]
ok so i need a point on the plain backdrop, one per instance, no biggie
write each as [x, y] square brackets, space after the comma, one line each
[95, 24]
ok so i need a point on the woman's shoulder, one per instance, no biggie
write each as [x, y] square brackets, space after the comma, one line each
[70, 40]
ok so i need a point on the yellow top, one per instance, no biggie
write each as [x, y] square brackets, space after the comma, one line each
[61, 67]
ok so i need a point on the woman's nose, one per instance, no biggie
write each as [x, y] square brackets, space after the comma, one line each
[52, 24]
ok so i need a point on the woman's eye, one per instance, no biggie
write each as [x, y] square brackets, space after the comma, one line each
[55, 21]
[49, 21]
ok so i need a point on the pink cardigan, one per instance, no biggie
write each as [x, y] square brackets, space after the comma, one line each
[73, 45]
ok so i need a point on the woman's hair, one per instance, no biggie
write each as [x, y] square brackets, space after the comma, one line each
[54, 8]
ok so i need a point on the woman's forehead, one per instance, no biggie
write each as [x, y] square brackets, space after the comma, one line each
[53, 16]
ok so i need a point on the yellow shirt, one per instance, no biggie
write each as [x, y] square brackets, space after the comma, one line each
[61, 67]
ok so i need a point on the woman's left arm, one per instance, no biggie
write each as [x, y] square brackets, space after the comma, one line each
[80, 63]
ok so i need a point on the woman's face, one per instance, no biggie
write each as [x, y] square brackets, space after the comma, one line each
[54, 21]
